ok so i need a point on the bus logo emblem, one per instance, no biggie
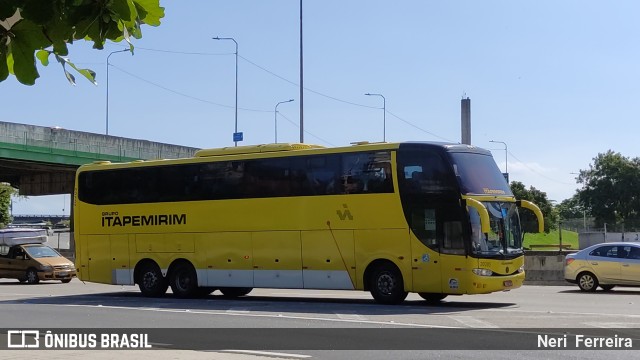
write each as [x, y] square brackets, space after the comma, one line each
[346, 214]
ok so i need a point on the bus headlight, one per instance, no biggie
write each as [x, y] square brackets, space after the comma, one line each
[482, 272]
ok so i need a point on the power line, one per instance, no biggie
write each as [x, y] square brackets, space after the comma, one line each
[537, 173]
[306, 132]
[417, 127]
[183, 94]
[285, 80]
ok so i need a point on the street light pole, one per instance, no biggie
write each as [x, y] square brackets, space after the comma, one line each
[275, 114]
[301, 83]
[236, 115]
[384, 115]
[506, 167]
[107, 112]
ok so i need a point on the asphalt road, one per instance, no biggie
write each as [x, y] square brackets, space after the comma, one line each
[273, 313]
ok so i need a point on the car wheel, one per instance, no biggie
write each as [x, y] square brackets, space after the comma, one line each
[65, 281]
[386, 285]
[607, 287]
[32, 276]
[587, 281]
[150, 280]
[432, 297]
[184, 281]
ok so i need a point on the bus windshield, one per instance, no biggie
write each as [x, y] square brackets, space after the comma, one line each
[478, 174]
[505, 236]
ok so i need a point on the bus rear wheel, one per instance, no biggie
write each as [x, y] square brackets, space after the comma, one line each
[235, 291]
[386, 285]
[150, 280]
[184, 281]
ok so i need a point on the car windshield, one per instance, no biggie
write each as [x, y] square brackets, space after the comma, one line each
[505, 234]
[41, 251]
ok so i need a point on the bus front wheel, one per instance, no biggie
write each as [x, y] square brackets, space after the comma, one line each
[386, 285]
[235, 291]
[184, 281]
[432, 297]
[150, 280]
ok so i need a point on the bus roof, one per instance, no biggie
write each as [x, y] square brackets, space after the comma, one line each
[285, 149]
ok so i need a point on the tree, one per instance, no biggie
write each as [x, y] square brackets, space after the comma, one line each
[539, 198]
[5, 203]
[571, 208]
[39, 28]
[611, 188]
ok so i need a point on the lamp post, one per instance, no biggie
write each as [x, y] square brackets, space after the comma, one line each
[236, 115]
[384, 115]
[107, 112]
[275, 114]
[301, 83]
[506, 168]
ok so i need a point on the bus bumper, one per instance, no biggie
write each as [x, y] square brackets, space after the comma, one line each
[489, 284]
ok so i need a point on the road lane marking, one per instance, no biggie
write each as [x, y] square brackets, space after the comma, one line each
[279, 316]
[350, 316]
[238, 310]
[268, 353]
[470, 321]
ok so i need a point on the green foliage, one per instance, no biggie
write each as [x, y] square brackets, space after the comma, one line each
[527, 217]
[47, 26]
[5, 202]
[611, 188]
[571, 208]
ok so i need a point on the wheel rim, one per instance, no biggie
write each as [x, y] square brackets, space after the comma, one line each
[32, 276]
[386, 283]
[150, 279]
[183, 281]
[586, 282]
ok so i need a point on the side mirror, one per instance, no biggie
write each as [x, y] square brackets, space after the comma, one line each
[482, 211]
[536, 210]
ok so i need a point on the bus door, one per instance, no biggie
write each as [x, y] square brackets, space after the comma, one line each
[425, 258]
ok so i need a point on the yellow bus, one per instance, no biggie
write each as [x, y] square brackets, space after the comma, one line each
[390, 218]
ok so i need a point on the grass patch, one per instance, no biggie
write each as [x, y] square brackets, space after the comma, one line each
[552, 238]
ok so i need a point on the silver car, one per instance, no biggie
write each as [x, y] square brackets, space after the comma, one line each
[605, 265]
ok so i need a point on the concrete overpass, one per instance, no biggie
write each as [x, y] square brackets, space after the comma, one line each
[43, 160]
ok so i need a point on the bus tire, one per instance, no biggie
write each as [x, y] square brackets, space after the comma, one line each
[184, 281]
[232, 292]
[432, 298]
[386, 285]
[31, 277]
[150, 280]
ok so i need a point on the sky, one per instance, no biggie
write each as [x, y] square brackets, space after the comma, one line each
[555, 80]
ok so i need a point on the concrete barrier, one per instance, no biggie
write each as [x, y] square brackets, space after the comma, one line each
[544, 267]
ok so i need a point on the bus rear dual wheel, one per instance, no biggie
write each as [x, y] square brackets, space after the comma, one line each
[151, 281]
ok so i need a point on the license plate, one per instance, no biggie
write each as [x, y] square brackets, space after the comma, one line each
[508, 283]
[64, 273]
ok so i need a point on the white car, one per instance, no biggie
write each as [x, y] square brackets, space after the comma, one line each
[605, 265]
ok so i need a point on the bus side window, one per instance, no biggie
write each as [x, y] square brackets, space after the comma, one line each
[322, 174]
